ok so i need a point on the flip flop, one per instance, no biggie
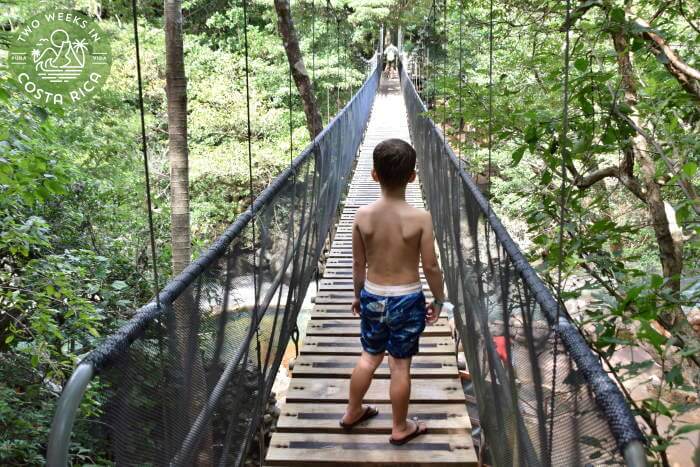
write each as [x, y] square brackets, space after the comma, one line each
[417, 432]
[366, 415]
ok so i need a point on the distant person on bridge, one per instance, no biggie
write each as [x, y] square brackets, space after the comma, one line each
[389, 240]
[390, 57]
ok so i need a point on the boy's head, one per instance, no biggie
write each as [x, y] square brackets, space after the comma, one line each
[394, 163]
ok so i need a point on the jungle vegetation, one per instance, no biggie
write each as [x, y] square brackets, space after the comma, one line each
[74, 249]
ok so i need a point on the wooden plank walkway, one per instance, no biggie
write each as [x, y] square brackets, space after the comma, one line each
[308, 433]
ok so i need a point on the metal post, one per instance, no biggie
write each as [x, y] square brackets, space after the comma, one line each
[399, 40]
[67, 409]
[635, 455]
[381, 40]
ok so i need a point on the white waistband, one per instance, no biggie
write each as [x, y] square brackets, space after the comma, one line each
[392, 290]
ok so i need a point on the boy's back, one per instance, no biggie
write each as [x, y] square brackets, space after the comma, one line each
[391, 231]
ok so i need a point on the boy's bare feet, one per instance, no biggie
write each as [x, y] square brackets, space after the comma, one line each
[410, 430]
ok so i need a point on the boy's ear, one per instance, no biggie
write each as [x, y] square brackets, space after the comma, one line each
[412, 178]
[374, 176]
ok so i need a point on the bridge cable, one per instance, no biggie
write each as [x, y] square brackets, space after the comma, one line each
[254, 315]
[461, 117]
[562, 212]
[313, 45]
[328, 91]
[488, 173]
[444, 73]
[337, 64]
[144, 149]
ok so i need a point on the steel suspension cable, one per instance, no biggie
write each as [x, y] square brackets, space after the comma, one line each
[291, 123]
[144, 149]
[461, 117]
[328, 90]
[488, 174]
[444, 71]
[337, 64]
[313, 45]
[345, 64]
[254, 315]
[562, 211]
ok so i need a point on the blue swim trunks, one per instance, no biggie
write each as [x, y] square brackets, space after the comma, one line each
[391, 322]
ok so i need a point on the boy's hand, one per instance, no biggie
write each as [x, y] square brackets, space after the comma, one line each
[356, 306]
[433, 312]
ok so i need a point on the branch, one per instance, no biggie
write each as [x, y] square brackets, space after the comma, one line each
[692, 25]
[687, 76]
[579, 12]
[285, 26]
[688, 189]
[595, 177]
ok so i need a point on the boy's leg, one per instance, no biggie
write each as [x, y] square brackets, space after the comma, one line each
[359, 384]
[400, 394]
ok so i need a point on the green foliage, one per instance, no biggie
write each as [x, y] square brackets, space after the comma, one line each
[610, 255]
[74, 252]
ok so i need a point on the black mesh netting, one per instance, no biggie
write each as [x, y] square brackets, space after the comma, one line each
[505, 317]
[187, 384]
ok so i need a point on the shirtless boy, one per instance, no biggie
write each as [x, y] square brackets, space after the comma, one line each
[389, 239]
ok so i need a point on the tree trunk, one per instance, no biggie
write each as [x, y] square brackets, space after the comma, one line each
[189, 375]
[176, 90]
[670, 241]
[287, 31]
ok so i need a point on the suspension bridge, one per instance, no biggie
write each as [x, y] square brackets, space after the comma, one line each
[187, 380]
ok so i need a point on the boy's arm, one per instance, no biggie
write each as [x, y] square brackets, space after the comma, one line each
[431, 268]
[359, 264]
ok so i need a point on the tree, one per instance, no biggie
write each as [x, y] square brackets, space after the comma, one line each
[287, 31]
[186, 316]
[176, 91]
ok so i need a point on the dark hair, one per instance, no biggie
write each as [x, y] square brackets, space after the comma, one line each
[394, 162]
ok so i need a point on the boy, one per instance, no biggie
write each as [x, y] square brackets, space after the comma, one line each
[389, 237]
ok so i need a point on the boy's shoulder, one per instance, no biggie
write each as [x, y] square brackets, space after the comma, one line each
[412, 211]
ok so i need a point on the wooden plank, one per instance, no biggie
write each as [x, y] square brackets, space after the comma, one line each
[335, 390]
[336, 366]
[345, 262]
[312, 449]
[348, 327]
[323, 418]
[343, 345]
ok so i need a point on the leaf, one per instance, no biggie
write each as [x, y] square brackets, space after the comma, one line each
[690, 168]
[119, 285]
[617, 15]
[648, 333]
[531, 134]
[674, 376]
[581, 64]
[586, 105]
[610, 135]
[546, 177]
[9, 339]
[518, 154]
[656, 406]
[656, 281]
[687, 428]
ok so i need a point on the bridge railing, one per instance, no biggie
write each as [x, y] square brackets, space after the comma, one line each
[188, 382]
[543, 396]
